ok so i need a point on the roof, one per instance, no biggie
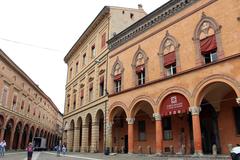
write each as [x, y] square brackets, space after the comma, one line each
[159, 15]
[27, 78]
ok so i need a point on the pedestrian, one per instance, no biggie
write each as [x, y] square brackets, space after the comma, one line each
[3, 146]
[58, 149]
[64, 149]
[1, 149]
[29, 150]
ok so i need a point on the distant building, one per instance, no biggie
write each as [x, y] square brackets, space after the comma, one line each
[25, 110]
[174, 80]
[86, 97]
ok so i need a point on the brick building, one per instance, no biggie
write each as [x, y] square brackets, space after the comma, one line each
[86, 99]
[174, 82]
[25, 110]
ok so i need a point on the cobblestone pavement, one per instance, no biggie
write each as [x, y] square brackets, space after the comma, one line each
[100, 156]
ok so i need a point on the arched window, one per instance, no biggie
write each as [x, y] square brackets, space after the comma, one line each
[169, 56]
[139, 66]
[117, 76]
[207, 41]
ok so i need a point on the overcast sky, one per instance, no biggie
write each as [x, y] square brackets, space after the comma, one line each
[37, 34]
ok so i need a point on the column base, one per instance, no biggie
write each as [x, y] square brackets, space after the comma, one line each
[159, 154]
[198, 153]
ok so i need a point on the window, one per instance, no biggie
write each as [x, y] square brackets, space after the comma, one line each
[93, 51]
[141, 131]
[237, 119]
[171, 69]
[141, 78]
[210, 57]
[90, 92]
[28, 108]
[76, 68]
[167, 128]
[68, 103]
[117, 86]
[4, 96]
[81, 97]
[22, 105]
[14, 103]
[70, 73]
[101, 86]
[84, 59]
[74, 102]
[103, 42]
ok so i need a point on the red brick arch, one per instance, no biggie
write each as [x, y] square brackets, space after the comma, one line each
[113, 108]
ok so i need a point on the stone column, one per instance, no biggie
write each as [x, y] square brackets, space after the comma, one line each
[27, 137]
[76, 146]
[20, 139]
[95, 137]
[108, 135]
[130, 134]
[197, 137]
[159, 136]
[12, 137]
[70, 139]
[84, 146]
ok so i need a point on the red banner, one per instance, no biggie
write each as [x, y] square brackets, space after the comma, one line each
[174, 103]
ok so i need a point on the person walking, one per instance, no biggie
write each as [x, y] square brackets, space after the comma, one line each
[29, 150]
[64, 149]
[3, 146]
[1, 149]
[58, 149]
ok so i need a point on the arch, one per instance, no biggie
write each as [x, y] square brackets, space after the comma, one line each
[72, 125]
[31, 133]
[117, 62]
[213, 79]
[37, 132]
[137, 107]
[175, 89]
[212, 24]
[24, 136]
[88, 123]
[98, 114]
[8, 131]
[113, 109]
[142, 98]
[17, 133]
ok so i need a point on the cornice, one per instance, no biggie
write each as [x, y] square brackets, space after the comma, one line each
[161, 14]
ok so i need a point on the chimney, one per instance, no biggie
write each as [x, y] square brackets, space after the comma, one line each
[140, 6]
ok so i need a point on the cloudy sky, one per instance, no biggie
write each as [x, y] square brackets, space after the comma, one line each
[37, 34]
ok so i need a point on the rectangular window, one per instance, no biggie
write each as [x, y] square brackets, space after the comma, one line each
[237, 119]
[118, 86]
[81, 101]
[68, 104]
[74, 102]
[93, 51]
[4, 96]
[81, 97]
[141, 78]
[22, 105]
[167, 128]
[141, 131]
[171, 69]
[14, 103]
[101, 89]
[90, 94]
[76, 68]
[70, 73]
[28, 108]
[210, 57]
[103, 42]
[84, 59]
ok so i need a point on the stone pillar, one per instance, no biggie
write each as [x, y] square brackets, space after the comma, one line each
[84, 146]
[159, 135]
[197, 137]
[27, 138]
[70, 139]
[12, 137]
[130, 134]
[108, 135]
[76, 146]
[95, 137]
[20, 138]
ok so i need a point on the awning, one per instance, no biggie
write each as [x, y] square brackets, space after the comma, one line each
[169, 58]
[117, 77]
[208, 44]
[140, 68]
[174, 103]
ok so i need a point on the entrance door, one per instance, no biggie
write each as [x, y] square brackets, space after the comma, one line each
[126, 144]
[209, 128]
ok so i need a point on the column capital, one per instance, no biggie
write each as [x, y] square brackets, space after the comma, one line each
[195, 110]
[109, 124]
[85, 126]
[95, 123]
[130, 120]
[157, 116]
[238, 100]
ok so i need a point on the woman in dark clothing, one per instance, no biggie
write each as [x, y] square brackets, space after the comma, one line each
[29, 150]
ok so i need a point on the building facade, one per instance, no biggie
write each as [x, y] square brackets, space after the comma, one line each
[25, 110]
[86, 96]
[174, 82]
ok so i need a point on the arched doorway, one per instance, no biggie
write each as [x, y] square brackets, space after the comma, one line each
[31, 134]
[100, 123]
[143, 128]
[16, 135]
[1, 125]
[89, 131]
[119, 130]
[176, 124]
[8, 132]
[79, 125]
[24, 136]
[37, 133]
[41, 133]
[219, 117]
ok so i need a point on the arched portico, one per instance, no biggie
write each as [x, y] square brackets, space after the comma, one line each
[9, 133]
[78, 135]
[17, 135]
[70, 136]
